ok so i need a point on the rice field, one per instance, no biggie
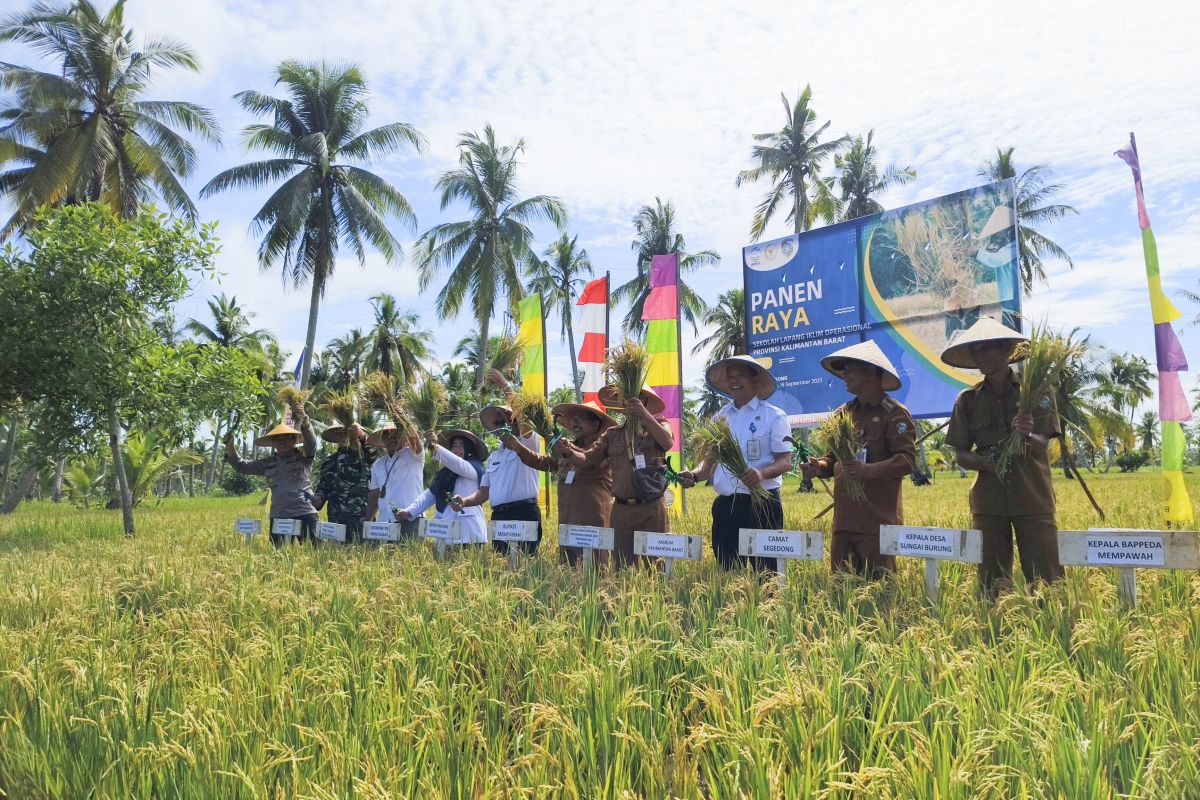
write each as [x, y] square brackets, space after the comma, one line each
[184, 663]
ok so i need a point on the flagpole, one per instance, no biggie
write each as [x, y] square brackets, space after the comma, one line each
[545, 388]
[679, 354]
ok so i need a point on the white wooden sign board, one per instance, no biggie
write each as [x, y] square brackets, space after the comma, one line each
[512, 531]
[442, 531]
[668, 546]
[588, 537]
[332, 531]
[285, 527]
[935, 545]
[1128, 549]
[783, 546]
[381, 531]
[248, 527]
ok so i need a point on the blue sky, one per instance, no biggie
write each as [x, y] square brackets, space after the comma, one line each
[625, 101]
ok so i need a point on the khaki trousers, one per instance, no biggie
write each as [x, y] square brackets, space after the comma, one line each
[1037, 543]
[859, 553]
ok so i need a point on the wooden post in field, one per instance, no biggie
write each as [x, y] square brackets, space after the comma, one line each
[443, 532]
[513, 531]
[783, 546]
[248, 528]
[587, 537]
[935, 545]
[668, 546]
[1127, 549]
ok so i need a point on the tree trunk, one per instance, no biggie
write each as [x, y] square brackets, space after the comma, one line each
[574, 360]
[114, 443]
[481, 368]
[21, 488]
[10, 450]
[314, 306]
[59, 469]
[191, 490]
[212, 465]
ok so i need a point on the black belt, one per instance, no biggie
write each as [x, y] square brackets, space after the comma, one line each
[515, 504]
[622, 501]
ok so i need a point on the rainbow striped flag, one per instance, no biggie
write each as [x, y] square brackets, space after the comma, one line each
[593, 324]
[532, 336]
[661, 312]
[1173, 409]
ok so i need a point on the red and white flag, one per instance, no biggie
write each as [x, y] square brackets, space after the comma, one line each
[593, 324]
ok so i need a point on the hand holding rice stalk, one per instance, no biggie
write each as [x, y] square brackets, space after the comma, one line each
[1045, 356]
[714, 442]
[532, 411]
[290, 396]
[378, 391]
[341, 407]
[627, 368]
[426, 403]
[838, 434]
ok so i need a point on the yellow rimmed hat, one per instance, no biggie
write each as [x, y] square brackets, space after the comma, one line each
[868, 353]
[279, 431]
[591, 407]
[718, 380]
[445, 438]
[650, 399]
[958, 350]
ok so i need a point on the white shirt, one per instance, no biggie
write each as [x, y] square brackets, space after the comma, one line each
[508, 480]
[472, 524]
[399, 479]
[761, 429]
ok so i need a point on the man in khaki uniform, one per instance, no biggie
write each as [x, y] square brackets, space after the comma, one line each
[1021, 502]
[887, 433]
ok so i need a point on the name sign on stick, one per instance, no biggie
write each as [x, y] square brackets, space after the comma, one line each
[935, 545]
[668, 546]
[333, 531]
[286, 527]
[783, 546]
[248, 527]
[381, 531]
[1127, 549]
[588, 537]
[513, 530]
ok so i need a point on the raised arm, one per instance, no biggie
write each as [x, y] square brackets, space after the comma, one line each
[528, 457]
[239, 464]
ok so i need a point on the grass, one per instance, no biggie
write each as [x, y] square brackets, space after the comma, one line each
[184, 663]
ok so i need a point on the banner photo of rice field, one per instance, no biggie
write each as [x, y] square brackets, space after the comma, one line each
[907, 278]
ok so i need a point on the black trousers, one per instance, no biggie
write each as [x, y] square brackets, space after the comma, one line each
[733, 512]
[308, 531]
[353, 523]
[524, 510]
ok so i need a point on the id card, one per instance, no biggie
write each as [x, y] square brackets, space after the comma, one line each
[754, 449]
[570, 477]
[639, 461]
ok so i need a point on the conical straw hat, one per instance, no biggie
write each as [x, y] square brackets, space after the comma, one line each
[590, 406]
[650, 399]
[958, 350]
[1001, 220]
[267, 439]
[445, 438]
[491, 417]
[375, 439]
[719, 381]
[868, 353]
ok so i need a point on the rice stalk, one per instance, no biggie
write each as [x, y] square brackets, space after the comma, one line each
[290, 396]
[426, 403]
[840, 438]
[378, 391]
[1045, 355]
[532, 411]
[626, 368]
[713, 442]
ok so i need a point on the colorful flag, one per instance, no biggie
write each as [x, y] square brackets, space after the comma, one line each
[593, 324]
[661, 313]
[532, 336]
[1173, 407]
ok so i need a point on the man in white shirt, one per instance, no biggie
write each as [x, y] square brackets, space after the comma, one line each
[397, 478]
[765, 436]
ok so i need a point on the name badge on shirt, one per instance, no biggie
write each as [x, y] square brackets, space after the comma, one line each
[754, 449]
[639, 461]
[570, 476]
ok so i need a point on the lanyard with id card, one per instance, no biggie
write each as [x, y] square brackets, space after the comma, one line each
[639, 461]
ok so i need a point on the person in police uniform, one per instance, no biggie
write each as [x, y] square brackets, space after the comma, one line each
[763, 432]
[342, 482]
[887, 433]
[1019, 503]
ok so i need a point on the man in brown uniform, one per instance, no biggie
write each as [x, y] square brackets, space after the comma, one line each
[887, 433]
[1021, 502]
[584, 491]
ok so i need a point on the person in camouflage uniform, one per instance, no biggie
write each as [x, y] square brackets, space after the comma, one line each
[343, 479]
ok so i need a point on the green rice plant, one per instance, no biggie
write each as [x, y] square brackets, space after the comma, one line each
[426, 403]
[839, 437]
[626, 367]
[1045, 357]
[713, 442]
[532, 411]
[378, 391]
[342, 409]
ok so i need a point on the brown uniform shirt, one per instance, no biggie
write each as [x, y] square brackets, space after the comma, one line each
[885, 430]
[587, 499]
[982, 419]
[614, 445]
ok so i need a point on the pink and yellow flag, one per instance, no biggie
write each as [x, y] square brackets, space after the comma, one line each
[661, 313]
[1173, 409]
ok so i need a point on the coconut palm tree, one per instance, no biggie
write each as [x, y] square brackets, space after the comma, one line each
[350, 355]
[323, 200]
[655, 227]
[792, 158]
[398, 342]
[558, 280]
[1125, 382]
[728, 319]
[483, 252]
[1147, 431]
[504, 352]
[1033, 208]
[86, 131]
[230, 326]
[859, 178]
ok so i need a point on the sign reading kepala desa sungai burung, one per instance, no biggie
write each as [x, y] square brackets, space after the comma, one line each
[906, 278]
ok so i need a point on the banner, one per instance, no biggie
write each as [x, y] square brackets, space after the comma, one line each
[1173, 406]
[907, 278]
[532, 336]
[661, 313]
[593, 324]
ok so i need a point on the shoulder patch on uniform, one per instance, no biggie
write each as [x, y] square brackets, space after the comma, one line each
[902, 427]
[887, 404]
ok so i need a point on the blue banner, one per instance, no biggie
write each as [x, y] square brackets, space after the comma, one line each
[907, 279]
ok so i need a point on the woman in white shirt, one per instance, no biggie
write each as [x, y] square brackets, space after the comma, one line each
[461, 454]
